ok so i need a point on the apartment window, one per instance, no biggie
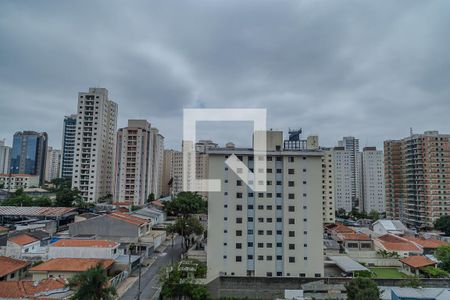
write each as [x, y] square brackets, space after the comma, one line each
[250, 195]
[250, 244]
[269, 245]
[260, 206]
[238, 232]
[279, 232]
[269, 257]
[279, 245]
[269, 207]
[260, 195]
[291, 196]
[279, 220]
[305, 220]
[305, 258]
[238, 258]
[239, 220]
[279, 207]
[291, 259]
[291, 208]
[290, 159]
[238, 245]
[269, 158]
[279, 274]
[279, 158]
[260, 232]
[239, 195]
[291, 171]
[278, 195]
[279, 171]
[269, 274]
[269, 171]
[269, 232]
[291, 246]
[302, 275]
[249, 257]
[225, 218]
[290, 183]
[250, 206]
[260, 220]
[291, 221]
[239, 182]
[238, 207]
[279, 183]
[291, 233]
[269, 220]
[305, 245]
[250, 219]
[250, 231]
[304, 182]
[279, 257]
[260, 257]
[317, 275]
[224, 257]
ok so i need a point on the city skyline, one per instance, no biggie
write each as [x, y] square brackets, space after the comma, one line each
[340, 69]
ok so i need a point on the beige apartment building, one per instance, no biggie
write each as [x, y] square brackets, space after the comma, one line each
[276, 233]
[93, 166]
[53, 164]
[329, 208]
[417, 178]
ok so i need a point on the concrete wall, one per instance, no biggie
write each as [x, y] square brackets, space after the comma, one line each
[83, 252]
[105, 227]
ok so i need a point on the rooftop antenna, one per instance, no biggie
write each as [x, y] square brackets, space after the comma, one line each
[411, 131]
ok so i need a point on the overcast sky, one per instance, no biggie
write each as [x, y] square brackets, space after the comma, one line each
[371, 69]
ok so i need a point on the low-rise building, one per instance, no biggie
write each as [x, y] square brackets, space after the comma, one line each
[382, 227]
[84, 249]
[428, 246]
[413, 264]
[51, 288]
[155, 216]
[395, 244]
[12, 269]
[17, 181]
[22, 244]
[356, 241]
[67, 267]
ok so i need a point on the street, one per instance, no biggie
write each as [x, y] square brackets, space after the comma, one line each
[149, 277]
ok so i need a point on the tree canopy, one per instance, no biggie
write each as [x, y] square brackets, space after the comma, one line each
[186, 227]
[443, 254]
[19, 198]
[186, 203]
[92, 285]
[361, 288]
[443, 224]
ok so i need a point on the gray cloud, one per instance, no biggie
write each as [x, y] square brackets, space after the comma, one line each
[366, 68]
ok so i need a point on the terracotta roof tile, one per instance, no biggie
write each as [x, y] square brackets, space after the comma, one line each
[22, 239]
[3, 229]
[128, 218]
[395, 243]
[355, 236]
[417, 261]
[85, 243]
[28, 289]
[426, 243]
[71, 264]
[10, 265]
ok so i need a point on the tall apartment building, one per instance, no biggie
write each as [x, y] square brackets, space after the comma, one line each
[158, 162]
[328, 198]
[417, 176]
[167, 175]
[373, 180]
[95, 142]
[343, 182]
[351, 145]
[134, 162]
[29, 153]
[68, 146]
[5, 154]
[53, 164]
[273, 233]
[177, 171]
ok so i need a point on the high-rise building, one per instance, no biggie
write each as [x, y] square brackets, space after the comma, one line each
[351, 145]
[95, 144]
[158, 161]
[53, 164]
[167, 177]
[328, 199]
[134, 162]
[28, 154]
[5, 153]
[373, 180]
[343, 174]
[177, 171]
[417, 176]
[68, 146]
[273, 233]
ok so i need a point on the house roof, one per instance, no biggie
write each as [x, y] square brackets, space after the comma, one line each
[418, 261]
[395, 243]
[10, 265]
[426, 243]
[391, 225]
[3, 229]
[355, 236]
[28, 288]
[36, 211]
[347, 264]
[85, 243]
[340, 228]
[127, 218]
[23, 239]
[39, 234]
[71, 264]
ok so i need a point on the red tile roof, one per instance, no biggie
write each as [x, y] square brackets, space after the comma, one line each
[85, 243]
[23, 239]
[426, 243]
[10, 265]
[36, 211]
[28, 288]
[340, 228]
[71, 264]
[3, 229]
[128, 218]
[417, 261]
[158, 203]
[395, 243]
[355, 236]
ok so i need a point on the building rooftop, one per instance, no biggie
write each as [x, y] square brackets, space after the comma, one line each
[392, 225]
[395, 243]
[2, 229]
[127, 218]
[36, 211]
[347, 264]
[418, 261]
[10, 265]
[85, 243]
[23, 239]
[71, 264]
[426, 243]
[26, 289]
[355, 236]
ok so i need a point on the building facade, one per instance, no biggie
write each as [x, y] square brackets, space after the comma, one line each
[167, 175]
[158, 161]
[19, 181]
[94, 145]
[29, 153]
[343, 184]
[134, 162]
[351, 145]
[417, 178]
[68, 146]
[272, 233]
[328, 198]
[5, 153]
[53, 164]
[373, 180]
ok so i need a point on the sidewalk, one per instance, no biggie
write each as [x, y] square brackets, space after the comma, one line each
[127, 283]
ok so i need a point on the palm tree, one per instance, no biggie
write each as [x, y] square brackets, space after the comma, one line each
[92, 285]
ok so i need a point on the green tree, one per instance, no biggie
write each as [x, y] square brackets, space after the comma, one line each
[68, 197]
[341, 213]
[92, 285]
[185, 227]
[374, 215]
[443, 254]
[362, 289]
[186, 203]
[433, 272]
[443, 224]
[18, 198]
[151, 197]
[43, 201]
[413, 282]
